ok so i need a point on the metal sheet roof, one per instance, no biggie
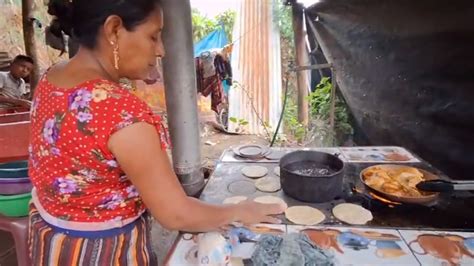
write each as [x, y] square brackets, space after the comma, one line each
[256, 63]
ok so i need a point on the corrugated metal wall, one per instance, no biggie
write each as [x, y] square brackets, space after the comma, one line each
[256, 63]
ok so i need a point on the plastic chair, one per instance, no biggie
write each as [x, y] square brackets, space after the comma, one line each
[18, 227]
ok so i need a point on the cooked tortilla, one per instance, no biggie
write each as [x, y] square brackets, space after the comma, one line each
[398, 182]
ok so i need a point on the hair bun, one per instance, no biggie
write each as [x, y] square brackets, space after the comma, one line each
[62, 10]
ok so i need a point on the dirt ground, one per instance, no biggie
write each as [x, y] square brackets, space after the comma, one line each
[213, 144]
[218, 142]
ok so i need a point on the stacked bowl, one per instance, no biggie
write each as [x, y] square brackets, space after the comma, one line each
[15, 189]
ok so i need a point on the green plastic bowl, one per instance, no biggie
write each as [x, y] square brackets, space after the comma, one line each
[14, 169]
[16, 205]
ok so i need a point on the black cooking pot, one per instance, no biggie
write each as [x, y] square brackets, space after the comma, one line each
[311, 176]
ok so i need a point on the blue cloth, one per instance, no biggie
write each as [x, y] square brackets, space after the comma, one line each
[293, 249]
[226, 87]
[215, 39]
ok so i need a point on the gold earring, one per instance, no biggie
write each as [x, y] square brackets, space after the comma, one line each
[116, 56]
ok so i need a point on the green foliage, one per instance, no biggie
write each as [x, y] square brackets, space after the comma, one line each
[202, 25]
[290, 118]
[320, 107]
[283, 18]
[227, 19]
[320, 104]
[320, 99]
[239, 121]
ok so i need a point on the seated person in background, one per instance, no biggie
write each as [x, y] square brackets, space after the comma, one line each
[12, 83]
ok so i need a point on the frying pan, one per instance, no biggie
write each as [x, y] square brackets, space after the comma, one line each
[425, 199]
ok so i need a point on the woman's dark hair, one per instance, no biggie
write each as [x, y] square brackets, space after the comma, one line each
[82, 19]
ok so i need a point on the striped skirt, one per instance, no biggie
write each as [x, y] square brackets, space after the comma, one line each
[49, 246]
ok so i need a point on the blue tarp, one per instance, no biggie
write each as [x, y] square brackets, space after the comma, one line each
[215, 39]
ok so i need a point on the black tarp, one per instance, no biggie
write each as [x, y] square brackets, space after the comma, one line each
[406, 70]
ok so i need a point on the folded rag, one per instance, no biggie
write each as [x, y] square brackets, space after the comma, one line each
[293, 249]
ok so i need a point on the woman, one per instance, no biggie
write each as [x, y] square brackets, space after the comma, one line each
[97, 152]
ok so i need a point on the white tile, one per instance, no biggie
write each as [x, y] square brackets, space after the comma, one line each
[376, 154]
[360, 246]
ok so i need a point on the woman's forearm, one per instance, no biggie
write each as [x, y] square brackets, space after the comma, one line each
[199, 216]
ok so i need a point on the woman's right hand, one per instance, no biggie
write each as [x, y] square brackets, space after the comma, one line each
[251, 212]
[149, 169]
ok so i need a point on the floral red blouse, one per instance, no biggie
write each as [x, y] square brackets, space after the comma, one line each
[75, 176]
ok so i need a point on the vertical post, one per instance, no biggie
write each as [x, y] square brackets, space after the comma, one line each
[181, 95]
[29, 39]
[332, 110]
[301, 60]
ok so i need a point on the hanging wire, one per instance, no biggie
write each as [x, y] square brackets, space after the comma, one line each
[287, 76]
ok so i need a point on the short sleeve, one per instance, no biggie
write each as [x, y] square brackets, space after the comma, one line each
[115, 108]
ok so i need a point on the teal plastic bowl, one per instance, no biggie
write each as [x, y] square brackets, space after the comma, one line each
[14, 169]
[15, 206]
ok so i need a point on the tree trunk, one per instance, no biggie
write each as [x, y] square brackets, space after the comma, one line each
[30, 42]
[302, 59]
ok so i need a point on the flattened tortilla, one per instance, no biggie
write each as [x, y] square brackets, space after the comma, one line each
[268, 184]
[271, 200]
[352, 214]
[234, 200]
[254, 171]
[277, 170]
[304, 215]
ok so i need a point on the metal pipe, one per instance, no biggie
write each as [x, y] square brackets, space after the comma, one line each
[181, 95]
[311, 67]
